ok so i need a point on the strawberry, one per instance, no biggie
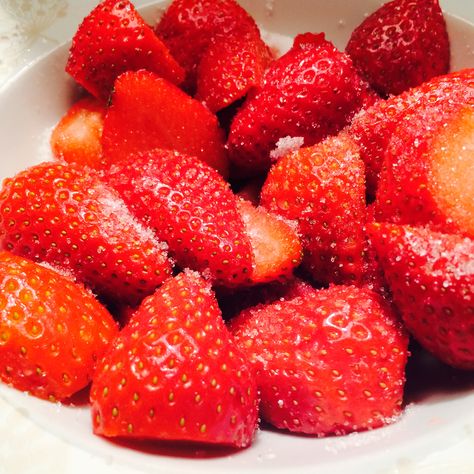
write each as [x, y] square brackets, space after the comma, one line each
[57, 214]
[431, 276]
[77, 138]
[189, 27]
[175, 374]
[189, 206]
[229, 68]
[331, 362]
[428, 170]
[312, 91]
[401, 45]
[322, 188]
[52, 330]
[373, 128]
[276, 247]
[113, 39]
[148, 112]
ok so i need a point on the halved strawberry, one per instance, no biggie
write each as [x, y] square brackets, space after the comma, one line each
[77, 138]
[401, 45]
[148, 112]
[229, 68]
[428, 170]
[113, 39]
[312, 91]
[189, 206]
[373, 127]
[58, 214]
[431, 276]
[276, 247]
[188, 27]
[174, 373]
[322, 188]
[331, 362]
[52, 330]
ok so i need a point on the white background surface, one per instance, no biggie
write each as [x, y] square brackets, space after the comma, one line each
[438, 437]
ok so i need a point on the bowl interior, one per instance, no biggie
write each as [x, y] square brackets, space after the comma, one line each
[32, 103]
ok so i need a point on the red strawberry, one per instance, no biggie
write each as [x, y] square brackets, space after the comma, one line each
[148, 112]
[77, 138]
[401, 45]
[188, 27]
[52, 331]
[373, 128]
[58, 214]
[191, 207]
[113, 39]
[428, 170]
[330, 363]
[276, 247]
[322, 187]
[175, 374]
[229, 68]
[311, 92]
[431, 276]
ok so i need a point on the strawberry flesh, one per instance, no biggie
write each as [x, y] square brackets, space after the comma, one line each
[148, 112]
[52, 331]
[331, 362]
[189, 206]
[431, 276]
[113, 39]
[55, 213]
[401, 45]
[175, 374]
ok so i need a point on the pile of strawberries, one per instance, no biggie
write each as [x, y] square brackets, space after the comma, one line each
[228, 235]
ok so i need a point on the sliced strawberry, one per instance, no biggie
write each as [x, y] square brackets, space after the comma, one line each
[148, 112]
[77, 138]
[52, 330]
[401, 45]
[175, 374]
[428, 170]
[373, 128]
[431, 276]
[188, 27]
[330, 363]
[113, 39]
[192, 208]
[312, 91]
[275, 244]
[229, 68]
[322, 187]
[58, 214]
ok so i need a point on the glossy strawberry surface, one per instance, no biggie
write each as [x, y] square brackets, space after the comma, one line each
[175, 374]
[52, 330]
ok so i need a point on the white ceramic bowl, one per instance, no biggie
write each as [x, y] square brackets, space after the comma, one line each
[434, 435]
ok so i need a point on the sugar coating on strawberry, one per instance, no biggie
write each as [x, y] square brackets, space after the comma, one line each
[312, 91]
[401, 45]
[332, 362]
[58, 214]
[174, 373]
[322, 188]
[113, 39]
[373, 127]
[276, 247]
[52, 330]
[77, 138]
[431, 276]
[192, 208]
[189, 27]
[428, 170]
[149, 112]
